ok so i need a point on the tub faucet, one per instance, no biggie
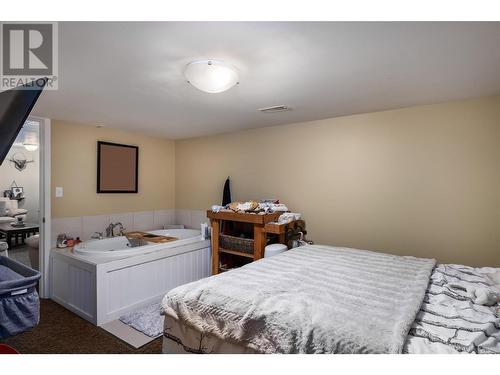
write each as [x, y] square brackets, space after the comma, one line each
[110, 230]
[121, 228]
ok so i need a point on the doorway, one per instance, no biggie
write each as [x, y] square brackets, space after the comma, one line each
[25, 189]
[20, 187]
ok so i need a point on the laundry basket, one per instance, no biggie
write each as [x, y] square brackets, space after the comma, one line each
[19, 303]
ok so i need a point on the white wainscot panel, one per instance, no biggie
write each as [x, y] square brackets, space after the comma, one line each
[93, 224]
[73, 286]
[183, 217]
[162, 218]
[144, 220]
[198, 217]
[148, 282]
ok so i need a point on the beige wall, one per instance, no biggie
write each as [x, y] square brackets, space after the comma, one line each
[421, 181]
[74, 160]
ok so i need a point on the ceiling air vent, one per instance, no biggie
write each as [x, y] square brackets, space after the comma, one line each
[276, 108]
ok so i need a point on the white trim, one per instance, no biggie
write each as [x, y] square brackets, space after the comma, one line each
[45, 204]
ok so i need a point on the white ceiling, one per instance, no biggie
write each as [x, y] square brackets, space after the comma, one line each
[129, 75]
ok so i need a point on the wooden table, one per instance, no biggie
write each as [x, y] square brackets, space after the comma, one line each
[262, 225]
[11, 232]
[259, 234]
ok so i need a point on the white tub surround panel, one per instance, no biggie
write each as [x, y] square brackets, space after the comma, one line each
[148, 282]
[73, 285]
[103, 290]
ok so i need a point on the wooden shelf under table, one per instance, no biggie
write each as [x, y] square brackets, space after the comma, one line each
[235, 252]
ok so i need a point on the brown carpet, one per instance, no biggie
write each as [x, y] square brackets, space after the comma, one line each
[62, 332]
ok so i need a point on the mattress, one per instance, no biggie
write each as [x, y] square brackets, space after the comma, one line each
[451, 319]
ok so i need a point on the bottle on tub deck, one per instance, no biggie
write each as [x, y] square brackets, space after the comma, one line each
[61, 241]
[205, 231]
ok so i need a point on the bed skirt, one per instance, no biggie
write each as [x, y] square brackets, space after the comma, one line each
[184, 339]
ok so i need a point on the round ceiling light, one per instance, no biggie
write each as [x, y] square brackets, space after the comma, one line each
[211, 76]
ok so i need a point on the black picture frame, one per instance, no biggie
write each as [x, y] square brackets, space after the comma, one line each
[100, 189]
[17, 193]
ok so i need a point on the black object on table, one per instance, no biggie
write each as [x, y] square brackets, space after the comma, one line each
[12, 232]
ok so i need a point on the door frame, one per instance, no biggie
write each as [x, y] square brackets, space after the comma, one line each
[45, 242]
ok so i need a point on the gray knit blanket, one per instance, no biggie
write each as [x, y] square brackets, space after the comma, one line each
[460, 312]
[312, 299]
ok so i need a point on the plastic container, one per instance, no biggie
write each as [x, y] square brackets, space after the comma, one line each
[274, 249]
[19, 302]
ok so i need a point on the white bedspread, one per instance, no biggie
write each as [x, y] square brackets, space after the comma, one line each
[313, 299]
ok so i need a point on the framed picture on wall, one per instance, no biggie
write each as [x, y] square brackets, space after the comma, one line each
[17, 193]
[117, 168]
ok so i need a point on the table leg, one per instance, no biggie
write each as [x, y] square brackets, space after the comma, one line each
[9, 240]
[259, 241]
[215, 246]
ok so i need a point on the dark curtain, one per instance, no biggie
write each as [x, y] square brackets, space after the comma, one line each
[226, 195]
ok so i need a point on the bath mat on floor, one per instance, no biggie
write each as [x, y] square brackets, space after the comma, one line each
[127, 334]
[146, 320]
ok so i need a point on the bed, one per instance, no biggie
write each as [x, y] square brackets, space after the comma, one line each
[322, 299]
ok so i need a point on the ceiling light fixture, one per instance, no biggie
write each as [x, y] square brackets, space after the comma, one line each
[211, 76]
[30, 146]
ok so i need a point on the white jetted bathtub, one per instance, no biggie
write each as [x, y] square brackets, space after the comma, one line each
[120, 247]
[101, 280]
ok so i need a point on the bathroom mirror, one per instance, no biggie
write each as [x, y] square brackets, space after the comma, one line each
[117, 168]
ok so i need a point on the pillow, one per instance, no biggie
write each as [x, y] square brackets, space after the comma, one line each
[3, 208]
[17, 211]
